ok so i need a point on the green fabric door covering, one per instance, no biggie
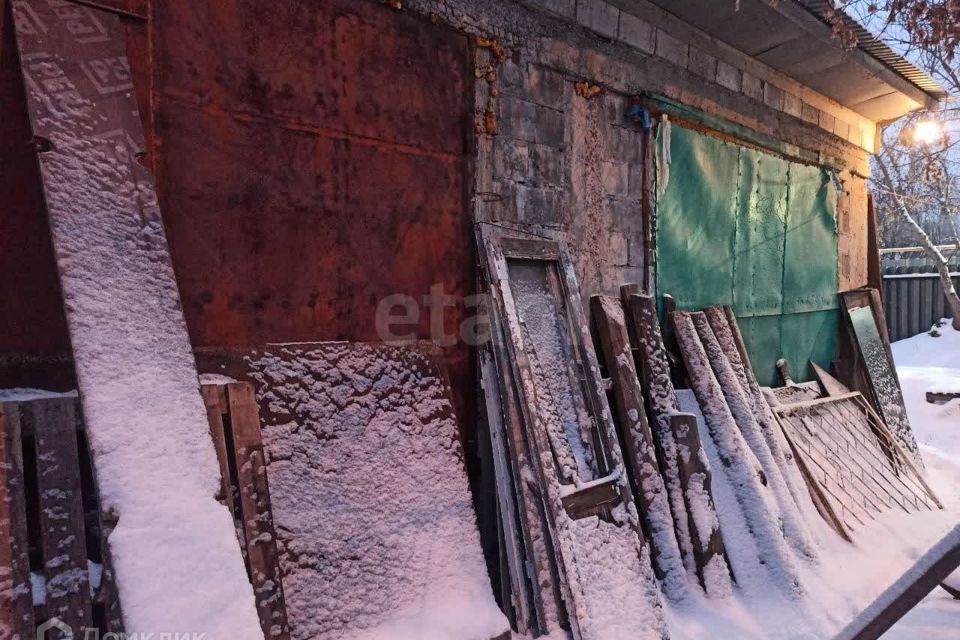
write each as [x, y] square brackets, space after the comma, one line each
[746, 228]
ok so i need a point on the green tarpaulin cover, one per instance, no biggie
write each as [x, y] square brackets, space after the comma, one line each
[742, 227]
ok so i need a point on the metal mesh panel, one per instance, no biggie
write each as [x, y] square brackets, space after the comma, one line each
[851, 460]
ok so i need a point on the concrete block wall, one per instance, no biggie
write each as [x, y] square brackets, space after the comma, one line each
[563, 164]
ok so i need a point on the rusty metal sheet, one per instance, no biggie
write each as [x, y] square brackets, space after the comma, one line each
[311, 165]
[34, 345]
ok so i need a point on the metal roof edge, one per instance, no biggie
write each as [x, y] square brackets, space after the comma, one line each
[880, 51]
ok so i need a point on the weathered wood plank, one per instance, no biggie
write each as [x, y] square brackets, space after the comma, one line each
[635, 434]
[543, 357]
[261, 547]
[655, 376]
[742, 466]
[215, 401]
[63, 536]
[741, 409]
[16, 601]
[697, 546]
[934, 397]
[545, 573]
[831, 385]
[696, 479]
[770, 446]
[512, 529]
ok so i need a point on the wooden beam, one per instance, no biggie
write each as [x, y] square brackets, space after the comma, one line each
[16, 597]
[648, 486]
[262, 556]
[907, 592]
[62, 529]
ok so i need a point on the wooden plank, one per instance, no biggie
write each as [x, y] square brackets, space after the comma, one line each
[544, 571]
[765, 448]
[261, 547]
[649, 489]
[831, 385]
[215, 401]
[16, 599]
[724, 325]
[521, 594]
[109, 593]
[696, 480]
[699, 539]
[917, 582]
[934, 397]
[54, 423]
[752, 494]
[655, 376]
[520, 317]
[874, 270]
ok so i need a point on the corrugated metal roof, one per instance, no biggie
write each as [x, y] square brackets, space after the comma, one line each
[881, 51]
[794, 38]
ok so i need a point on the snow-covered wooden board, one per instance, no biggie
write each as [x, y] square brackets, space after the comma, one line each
[609, 586]
[637, 438]
[375, 523]
[155, 462]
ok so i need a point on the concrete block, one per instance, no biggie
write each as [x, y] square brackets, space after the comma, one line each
[810, 114]
[546, 88]
[773, 96]
[702, 63]
[728, 76]
[625, 145]
[792, 104]
[599, 16]
[635, 250]
[530, 122]
[827, 122]
[511, 160]
[636, 32]
[617, 251]
[566, 8]
[538, 206]
[841, 129]
[615, 178]
[752, 86]
[546, 165]
[671, 49]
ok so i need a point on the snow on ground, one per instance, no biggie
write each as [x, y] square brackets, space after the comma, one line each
[845, 578]
[926, 363]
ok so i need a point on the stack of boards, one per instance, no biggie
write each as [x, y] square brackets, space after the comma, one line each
[604, 490]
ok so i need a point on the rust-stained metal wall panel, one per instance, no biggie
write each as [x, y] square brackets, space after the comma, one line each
[33, 329]
[310, 165]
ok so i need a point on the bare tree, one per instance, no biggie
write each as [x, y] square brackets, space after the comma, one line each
[917, 168]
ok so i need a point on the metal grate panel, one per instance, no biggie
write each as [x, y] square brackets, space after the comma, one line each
[852, 461]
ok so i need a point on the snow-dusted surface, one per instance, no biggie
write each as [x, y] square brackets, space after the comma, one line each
[925, 363]
[845, 578]
[176, 557]
[375, 524]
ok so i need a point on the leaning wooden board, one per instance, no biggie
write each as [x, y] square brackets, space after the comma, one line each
[135, 369]
[538, 327]
[369, 494]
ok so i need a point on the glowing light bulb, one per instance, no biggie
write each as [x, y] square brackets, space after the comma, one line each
[927, 132]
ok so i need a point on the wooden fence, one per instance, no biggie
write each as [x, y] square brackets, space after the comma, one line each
[913, 302]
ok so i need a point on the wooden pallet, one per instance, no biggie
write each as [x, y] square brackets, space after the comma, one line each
[52, 531]
[235, 429]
